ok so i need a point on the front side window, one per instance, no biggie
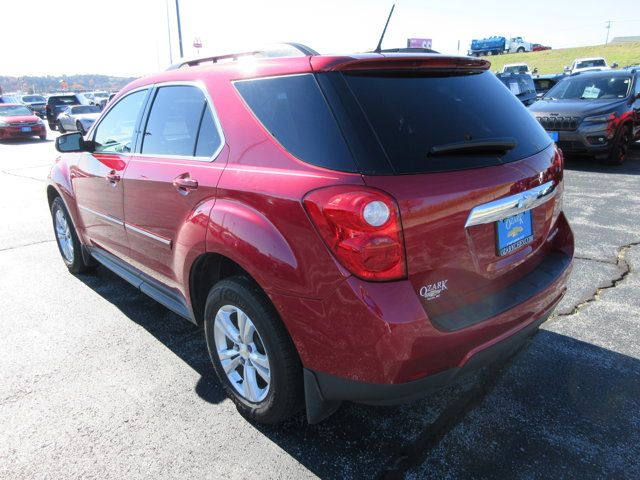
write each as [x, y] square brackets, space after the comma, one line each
[115, 132]
[174, 121]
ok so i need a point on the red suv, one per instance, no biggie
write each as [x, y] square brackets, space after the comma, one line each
[360, 228]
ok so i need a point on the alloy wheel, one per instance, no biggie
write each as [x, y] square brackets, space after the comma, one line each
[242, 353]
[63, 235]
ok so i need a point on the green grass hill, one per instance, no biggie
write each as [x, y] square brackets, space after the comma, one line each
[553, 61]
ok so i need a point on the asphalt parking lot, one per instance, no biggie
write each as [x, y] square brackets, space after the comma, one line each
[98, 381]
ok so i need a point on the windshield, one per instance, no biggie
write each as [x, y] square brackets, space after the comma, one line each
[590, 88]
[519, 85]
[85, 109]
[516, 69]
[101, 95]
[591, 63]
[14, 110]
[33, 99]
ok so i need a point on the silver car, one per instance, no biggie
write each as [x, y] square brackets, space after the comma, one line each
[77, 117]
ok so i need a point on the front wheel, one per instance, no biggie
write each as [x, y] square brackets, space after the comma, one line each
[67, 239]
[60, 127]
[520, 50]
[252, 352]
[620, 146]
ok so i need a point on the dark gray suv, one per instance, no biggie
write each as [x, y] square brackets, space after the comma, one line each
[595, 113]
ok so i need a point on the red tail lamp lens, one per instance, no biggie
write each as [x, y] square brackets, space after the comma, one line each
[361, 227]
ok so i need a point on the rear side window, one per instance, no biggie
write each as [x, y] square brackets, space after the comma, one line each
[412, 114]
[293, 110]
[174, 122]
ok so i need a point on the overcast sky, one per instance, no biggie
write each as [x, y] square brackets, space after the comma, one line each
[130, 37]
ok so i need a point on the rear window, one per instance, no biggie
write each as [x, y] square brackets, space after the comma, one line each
[412, 114]
[293, 110]
[70, 100]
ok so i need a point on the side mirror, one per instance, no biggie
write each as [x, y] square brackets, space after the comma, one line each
[71, 142]
[615, 65]
[535, 71]
[566, 69]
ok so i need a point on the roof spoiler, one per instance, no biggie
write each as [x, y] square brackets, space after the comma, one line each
[412, 63]
[286, 49]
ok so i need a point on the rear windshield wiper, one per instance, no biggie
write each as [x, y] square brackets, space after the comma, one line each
[486, 146]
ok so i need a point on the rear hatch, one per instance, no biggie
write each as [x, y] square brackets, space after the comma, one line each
[443, 141]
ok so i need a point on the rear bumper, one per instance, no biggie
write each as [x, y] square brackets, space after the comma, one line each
[374, 343]
[329, 388]
[16, 132]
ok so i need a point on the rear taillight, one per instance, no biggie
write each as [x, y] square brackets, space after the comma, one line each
[558, 164]
[361, 226]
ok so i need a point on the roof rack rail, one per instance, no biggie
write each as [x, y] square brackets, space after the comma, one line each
[286, 49]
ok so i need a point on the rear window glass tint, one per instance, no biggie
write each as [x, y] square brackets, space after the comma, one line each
[412, 114]
[294, 111]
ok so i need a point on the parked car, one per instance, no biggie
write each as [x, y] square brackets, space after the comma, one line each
[99, 97]
[544, 83]
[580, 65]
[17, 121]
[77, 117]
[104, 101]
[516, 68]
[12, 99]
[521, 85]
[56, 103]
[536, 47]
[337, 240]
[36, 103]
[595, 113]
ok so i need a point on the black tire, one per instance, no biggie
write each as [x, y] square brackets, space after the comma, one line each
[285, 392]
[76, 263]
[52, 126]
[620, 146]
[43, 137]
[520, 50]
[80, 128]
[60, 127]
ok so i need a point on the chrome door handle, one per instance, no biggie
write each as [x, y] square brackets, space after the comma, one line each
[185, 184]
[113, 177]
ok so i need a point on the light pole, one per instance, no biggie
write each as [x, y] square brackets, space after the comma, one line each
[179, 28]
[608, 27]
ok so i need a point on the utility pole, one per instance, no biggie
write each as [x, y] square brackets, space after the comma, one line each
[166, 3]
[179, 29]
[608, 27]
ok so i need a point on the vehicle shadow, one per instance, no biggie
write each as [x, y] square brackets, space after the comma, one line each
[24, 141]
[561, 398]
[631, 166]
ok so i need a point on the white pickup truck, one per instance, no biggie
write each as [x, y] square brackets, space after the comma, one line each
[587, 65]
[518, 45]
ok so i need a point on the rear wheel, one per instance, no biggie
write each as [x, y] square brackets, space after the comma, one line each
[43, 137]
[67, 239]
[52, 126]
[620, 146]
[251, 352]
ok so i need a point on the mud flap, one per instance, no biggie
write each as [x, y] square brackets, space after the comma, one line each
[318, 408]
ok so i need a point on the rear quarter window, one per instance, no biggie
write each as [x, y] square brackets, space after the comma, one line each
[294, 111]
